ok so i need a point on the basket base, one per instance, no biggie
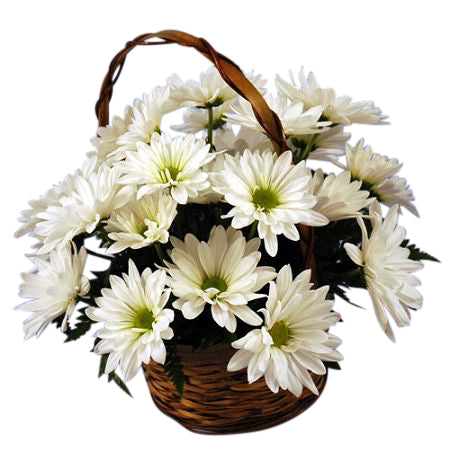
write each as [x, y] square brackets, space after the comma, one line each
[219, 402]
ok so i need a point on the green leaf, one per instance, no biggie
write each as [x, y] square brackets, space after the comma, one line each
[103, 361]
[82, 326]
[416, 254]
[174, 368]
[112, 376]
[332, 365]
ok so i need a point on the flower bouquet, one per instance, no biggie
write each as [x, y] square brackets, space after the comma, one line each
[225, 242]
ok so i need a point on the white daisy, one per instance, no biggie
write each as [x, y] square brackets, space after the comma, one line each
[208, 195]
[270, 190]
[135, 320]
[196, 120]
[396, 190]
[327, 146]
[295, 120]
[141, 222]
[53, 288]
[222, 272]
[338, 109]
[106, 141]
[91, 200]
[378, 175]
[168, 162]
[246, 139]
[210, 91]
[146, 118]
[337, 196]
[294, 338]
[30, 217]
[387, 268]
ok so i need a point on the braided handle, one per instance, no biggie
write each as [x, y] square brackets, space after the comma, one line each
[229, 71]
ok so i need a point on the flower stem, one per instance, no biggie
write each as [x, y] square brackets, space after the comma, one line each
[98, 255]
[253, 229]
[309, 146]
[159, 252]
[209, 139]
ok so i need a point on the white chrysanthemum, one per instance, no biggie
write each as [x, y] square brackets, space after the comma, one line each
[246, 139]
[208, 195]
[91, 200]
[146, 118]
[52, 198]
[370, 167]
[337, 196]
[196, 120]
[295, 120]
[338, 109]
[106, 141]
[327, 146]
[168, 162]
[53, 288]
[30, 218]
[270, 190]
[294, 339]
[210, 91]
[387, 268]
[135, 320]
[378, 175]
[396, 190]
[141, 222]
[222, 273]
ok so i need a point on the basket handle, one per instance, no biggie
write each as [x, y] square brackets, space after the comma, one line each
[228, 70]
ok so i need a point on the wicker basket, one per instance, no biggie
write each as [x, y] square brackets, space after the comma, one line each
[216, 401]
[219, 402]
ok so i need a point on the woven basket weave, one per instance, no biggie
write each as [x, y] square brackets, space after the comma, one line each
[219, 402]
[216, 401]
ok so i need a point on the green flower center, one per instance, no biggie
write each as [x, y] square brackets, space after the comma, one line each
[280, 334]
[266, 199]
[144, 319]
[169, 173]
[140, 227]
[215, 282]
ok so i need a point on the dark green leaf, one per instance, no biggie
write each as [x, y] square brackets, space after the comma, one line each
[416, 254]
[103, 361]
[112, 376]
[174, 368]
[82, 326]
[332, 365]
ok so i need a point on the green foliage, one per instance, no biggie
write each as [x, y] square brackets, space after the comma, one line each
[332, 365]
[103, 361]
[112, 376]
[82, 326]
[334, 267]
[174, 368]
[416, 254]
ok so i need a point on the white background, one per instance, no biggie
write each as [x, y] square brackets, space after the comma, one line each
[389, 406]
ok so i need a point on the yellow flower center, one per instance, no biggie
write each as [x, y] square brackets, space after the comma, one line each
[169, 173]
[214, 282]
[266, 199]
[144, 319]
[280, 334]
